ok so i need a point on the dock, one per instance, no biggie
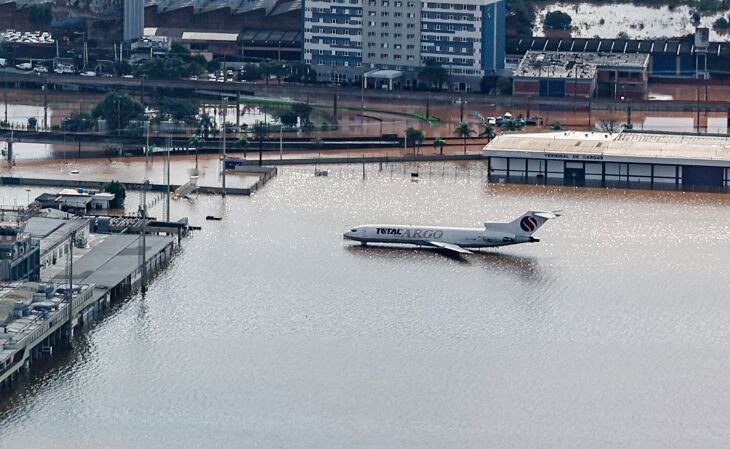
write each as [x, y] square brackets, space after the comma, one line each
[79, 278]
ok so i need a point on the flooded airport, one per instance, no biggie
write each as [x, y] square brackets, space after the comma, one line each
[269, 330]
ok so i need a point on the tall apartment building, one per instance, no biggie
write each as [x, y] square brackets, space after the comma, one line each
[346, 39]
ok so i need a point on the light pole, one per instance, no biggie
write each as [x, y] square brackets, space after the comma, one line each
[28, 192]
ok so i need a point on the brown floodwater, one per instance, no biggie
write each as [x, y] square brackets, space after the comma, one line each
[268, 330]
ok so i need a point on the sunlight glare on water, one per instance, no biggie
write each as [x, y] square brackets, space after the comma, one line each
[269, 330]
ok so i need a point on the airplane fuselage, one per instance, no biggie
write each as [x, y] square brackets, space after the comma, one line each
[427, 235]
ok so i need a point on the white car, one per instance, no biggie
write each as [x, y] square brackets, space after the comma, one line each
[40, 69]
[88, 73]
[127, 76]
[24, 66]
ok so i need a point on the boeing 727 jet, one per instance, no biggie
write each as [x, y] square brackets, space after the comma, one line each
[456, 240]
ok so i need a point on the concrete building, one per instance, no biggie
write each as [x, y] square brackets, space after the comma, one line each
[668, 58]
[133, 20]
[626, 159]
[344, 41]
[19, 254]
[585, 75]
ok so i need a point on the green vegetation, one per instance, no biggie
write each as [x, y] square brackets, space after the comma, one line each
[464, 131]
[556, 126]
[434, 76]
[504, 85]
[721, 23]
[521, 16]
[119, 191]
[557, 20]
[439, 143]
[487, 130]
[287, 117]
[78, 122]
[179, 63]
[40, 15]
[206, 124]
[414, 137]
[118, 110]
[180, 109]
[32, 123]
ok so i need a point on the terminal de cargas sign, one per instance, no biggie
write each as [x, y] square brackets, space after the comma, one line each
[583, 157]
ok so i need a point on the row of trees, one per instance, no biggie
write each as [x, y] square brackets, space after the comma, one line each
[415, 136]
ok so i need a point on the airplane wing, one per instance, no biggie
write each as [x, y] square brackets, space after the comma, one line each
[450, 247]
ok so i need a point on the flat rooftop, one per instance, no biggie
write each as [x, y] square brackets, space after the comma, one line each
[112, 258]
[576, 65]
[634, 146]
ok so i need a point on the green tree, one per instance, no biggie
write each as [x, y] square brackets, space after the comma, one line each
[487, 83]
[287, 117]
[557, 20]
[78, 122]
[434, 75]
[302, 73]
[242, 141]
[118, 110]
[181, 109]
[250, 72]
[40, 15]
[512, 125]
[521, 17]
[721, 24]
[556, 126]
[32, 123]
[439, 143]
[206, 124]
[119, 191]
[504, 85]
[302, 110]
[414, 137]
[487, 130]
[464, 131]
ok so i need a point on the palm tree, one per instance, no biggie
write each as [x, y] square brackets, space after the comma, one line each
[439, 143]
[464, 131]
[415, 136]
[243, 143]
[195, 142]
[487, 131]
[206, 124]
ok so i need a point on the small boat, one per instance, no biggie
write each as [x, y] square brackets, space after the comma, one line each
[214, 218]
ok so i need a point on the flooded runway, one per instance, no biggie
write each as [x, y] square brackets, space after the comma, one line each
[268, 330]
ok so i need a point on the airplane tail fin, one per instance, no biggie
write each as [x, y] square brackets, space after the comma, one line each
[528, 223]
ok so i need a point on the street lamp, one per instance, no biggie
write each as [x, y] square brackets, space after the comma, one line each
[628, 111]
[28, 192]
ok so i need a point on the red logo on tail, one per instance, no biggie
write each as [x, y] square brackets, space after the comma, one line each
[528, 224]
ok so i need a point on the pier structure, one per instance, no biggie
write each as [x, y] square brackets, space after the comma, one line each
[37, 318]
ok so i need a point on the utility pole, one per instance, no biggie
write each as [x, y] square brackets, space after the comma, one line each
[143, 250]
[167, 187]
[72, 239]
[45, 102]
[223, 159]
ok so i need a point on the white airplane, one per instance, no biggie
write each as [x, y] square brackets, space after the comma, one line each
[455, 239]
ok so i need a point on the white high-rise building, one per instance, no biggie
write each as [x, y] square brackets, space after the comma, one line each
[133, 20]
[345, 40]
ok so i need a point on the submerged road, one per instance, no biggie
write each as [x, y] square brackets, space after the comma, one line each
[304, 93]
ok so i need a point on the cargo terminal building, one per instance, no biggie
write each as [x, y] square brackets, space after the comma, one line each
[626, 159]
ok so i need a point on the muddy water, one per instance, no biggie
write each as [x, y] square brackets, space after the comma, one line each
[269, 331]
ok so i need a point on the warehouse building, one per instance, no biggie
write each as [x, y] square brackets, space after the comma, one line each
[626, 159]
[668, 58]
[584, 75]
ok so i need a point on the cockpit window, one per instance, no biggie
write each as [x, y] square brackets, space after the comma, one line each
[353, 230]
